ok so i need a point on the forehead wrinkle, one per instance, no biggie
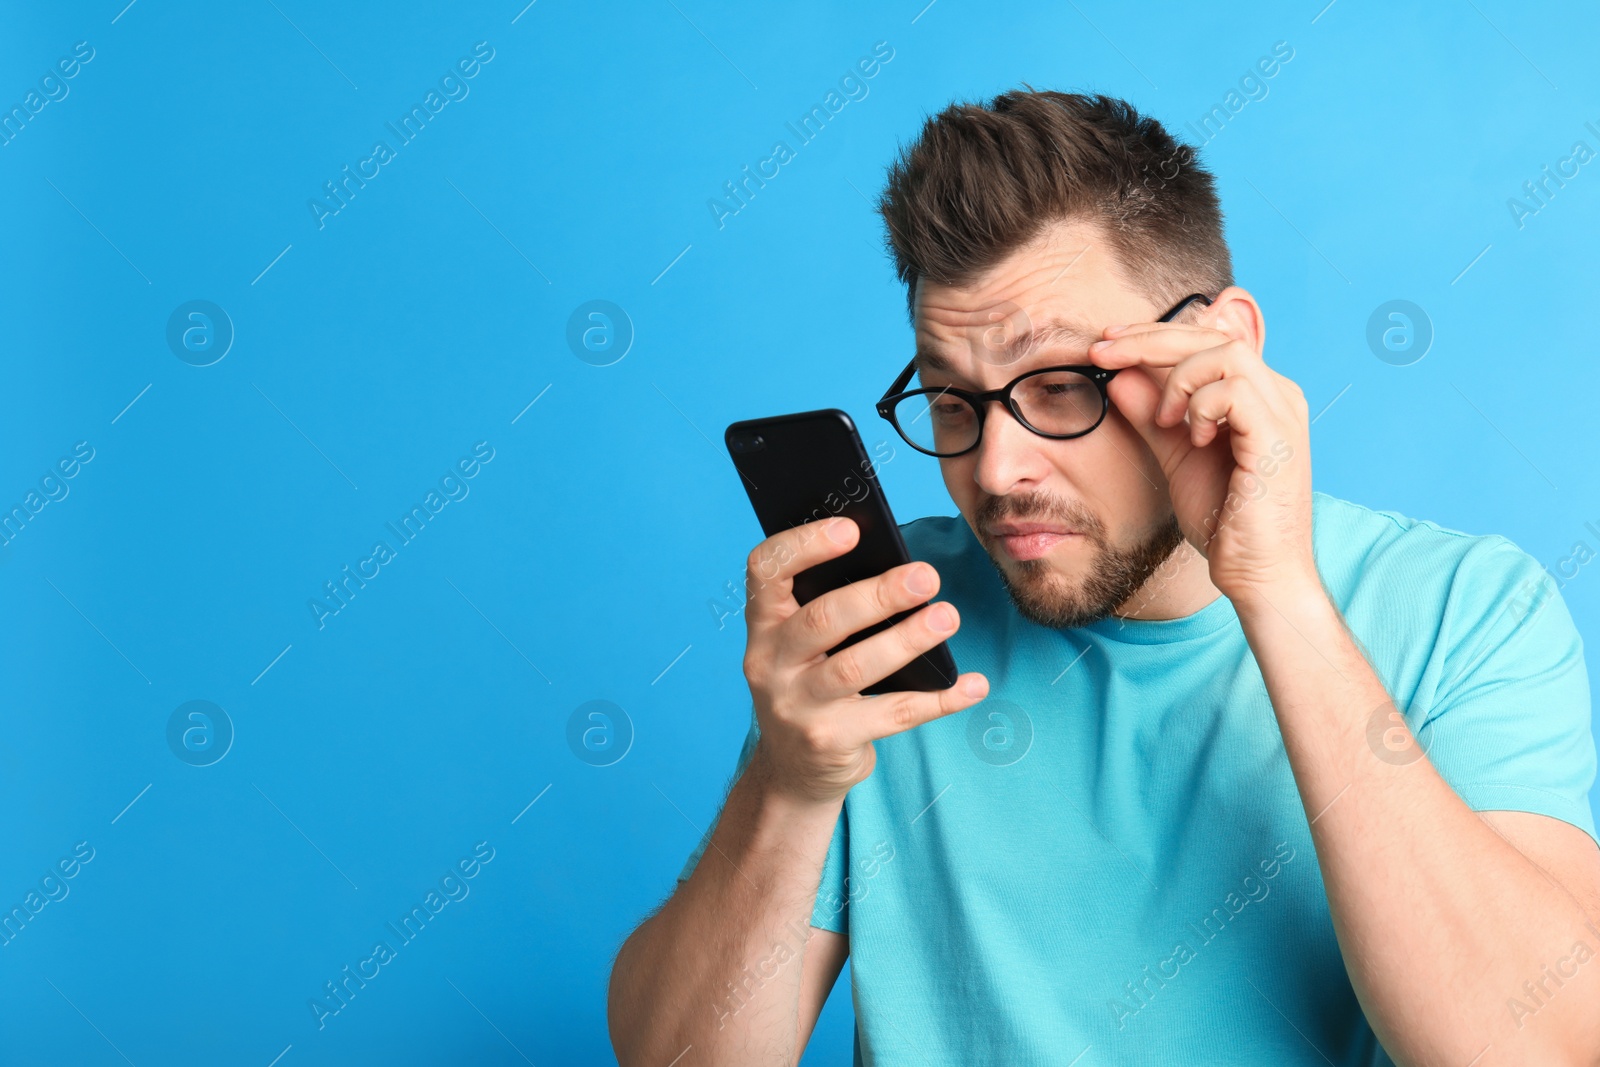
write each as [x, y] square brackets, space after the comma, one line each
[1025, 344]
[1047, 332]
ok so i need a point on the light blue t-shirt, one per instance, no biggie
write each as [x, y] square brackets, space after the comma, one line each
[1107, 858]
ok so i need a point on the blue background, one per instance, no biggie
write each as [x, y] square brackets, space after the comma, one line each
[372, 353]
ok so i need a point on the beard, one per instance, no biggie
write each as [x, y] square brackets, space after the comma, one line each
[1114, 572]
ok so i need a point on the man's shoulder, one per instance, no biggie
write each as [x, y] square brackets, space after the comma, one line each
[966, 573]
[1358, 547]
[1344, 523]
[945, 536]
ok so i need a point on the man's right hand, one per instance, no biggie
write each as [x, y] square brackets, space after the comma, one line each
[816, 729]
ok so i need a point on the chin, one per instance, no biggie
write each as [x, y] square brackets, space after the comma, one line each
[1053, 594]
[1074, 585]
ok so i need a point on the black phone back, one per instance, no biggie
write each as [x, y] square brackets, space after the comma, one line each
[811, 465]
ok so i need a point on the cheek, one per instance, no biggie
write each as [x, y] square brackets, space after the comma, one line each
[958, 481]
[1129, 452]
[1120, 448]
[1122, 479]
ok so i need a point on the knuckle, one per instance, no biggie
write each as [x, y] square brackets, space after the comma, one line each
[818, 617]
[887, 593]
[847, 671]
[915, 633]
[903, 716]
[755, 671]
[816, 736]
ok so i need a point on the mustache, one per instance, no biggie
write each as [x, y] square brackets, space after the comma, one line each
[1038, 507]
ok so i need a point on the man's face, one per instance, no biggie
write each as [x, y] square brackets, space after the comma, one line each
[1075, 527]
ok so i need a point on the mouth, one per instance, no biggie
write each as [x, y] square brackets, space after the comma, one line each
[1031, 540]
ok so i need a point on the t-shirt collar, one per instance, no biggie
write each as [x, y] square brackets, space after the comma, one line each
[1209, 619]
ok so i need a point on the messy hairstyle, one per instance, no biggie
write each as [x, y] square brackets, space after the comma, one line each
[981, 180]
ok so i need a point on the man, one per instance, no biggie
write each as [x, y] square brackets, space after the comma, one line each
[1239, 773]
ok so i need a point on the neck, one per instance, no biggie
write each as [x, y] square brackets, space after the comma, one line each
[1179, 587]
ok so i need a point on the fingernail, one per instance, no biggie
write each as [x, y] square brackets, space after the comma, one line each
[921, 582]
[837, 532]
[941, 619]
[1098, 345]
[972, 687]
[1115, 329]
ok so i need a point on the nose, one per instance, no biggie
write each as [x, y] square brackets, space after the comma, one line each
[1008, 455]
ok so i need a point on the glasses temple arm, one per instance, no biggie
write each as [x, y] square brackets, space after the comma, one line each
[902, 381]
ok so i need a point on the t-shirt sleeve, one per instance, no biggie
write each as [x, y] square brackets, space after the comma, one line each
[831, 910]
[1510, 725]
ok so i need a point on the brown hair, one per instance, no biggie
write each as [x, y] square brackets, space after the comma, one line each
[981, 180]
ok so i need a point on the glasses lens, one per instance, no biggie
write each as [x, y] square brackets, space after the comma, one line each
[1059, 401]
[939, 422]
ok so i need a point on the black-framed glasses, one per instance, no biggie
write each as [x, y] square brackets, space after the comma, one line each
[1056, 402]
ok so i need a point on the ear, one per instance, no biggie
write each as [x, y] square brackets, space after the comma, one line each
[1236, 313]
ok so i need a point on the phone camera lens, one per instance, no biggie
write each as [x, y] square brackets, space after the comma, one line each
[749, 442]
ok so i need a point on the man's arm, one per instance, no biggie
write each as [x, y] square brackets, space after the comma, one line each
[825, 956]
[730, 967]
[1441, 920]
[1444, 917]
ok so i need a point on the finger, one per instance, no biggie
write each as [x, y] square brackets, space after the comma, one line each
[834, 616]
[1156, 327]
[1235, 399]
[1154, 344]
[1135, 395]
[849, 671]
[893, 713]
[772, 565]
[1230, 360]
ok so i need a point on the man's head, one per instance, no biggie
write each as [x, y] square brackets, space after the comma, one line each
[1022, 228]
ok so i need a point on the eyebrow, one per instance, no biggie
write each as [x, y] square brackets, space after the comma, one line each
[1019, 347]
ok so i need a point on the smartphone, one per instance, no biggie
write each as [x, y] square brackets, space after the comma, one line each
[809, 466]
